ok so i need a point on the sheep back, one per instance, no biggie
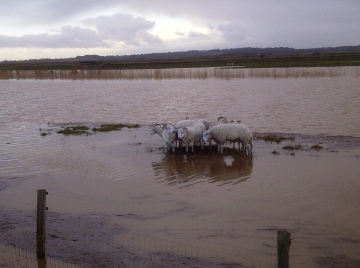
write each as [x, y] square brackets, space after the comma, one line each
[231, 132]
[193, 133]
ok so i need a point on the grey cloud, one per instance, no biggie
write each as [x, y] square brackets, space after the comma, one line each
[67, 37]
[180, 33]
[233, 32]
[124, 28]
[193, 34]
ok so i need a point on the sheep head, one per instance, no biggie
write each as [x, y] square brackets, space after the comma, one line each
[180, 133]
[206, 136]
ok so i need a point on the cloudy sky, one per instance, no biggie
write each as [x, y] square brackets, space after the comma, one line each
[68, 28]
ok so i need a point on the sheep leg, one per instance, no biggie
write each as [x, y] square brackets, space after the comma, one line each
[193, 144]
[250, 144]
[222, 148]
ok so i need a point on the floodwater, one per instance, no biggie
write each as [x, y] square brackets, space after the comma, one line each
[229, 203]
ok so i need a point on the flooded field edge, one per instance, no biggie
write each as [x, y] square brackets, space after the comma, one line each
[336, 141]
[327, 145]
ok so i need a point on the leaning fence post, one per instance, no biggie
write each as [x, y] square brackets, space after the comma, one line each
[41, 223]
[283, 246]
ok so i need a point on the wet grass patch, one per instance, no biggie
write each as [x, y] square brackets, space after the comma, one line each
[273, 138]
[292, 148]
[113, 127]
[75, 130]
[317, 147]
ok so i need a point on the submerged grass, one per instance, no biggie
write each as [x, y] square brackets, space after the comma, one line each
[177, 73]
[293, 148]
[317, 147]
[113, 127]
[75, 130]
[84, 130]
[274, 138]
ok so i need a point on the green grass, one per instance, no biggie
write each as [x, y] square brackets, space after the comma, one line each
[76, 130]
[273, 138]
[317, 147]
[114, 127]
[250, 61]
[293, 148]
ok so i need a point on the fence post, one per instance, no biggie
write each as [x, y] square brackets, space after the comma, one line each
[41, 223]
[283, 245]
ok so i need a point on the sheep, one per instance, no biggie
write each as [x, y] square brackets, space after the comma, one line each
[189, 123]
[229, 132]
[239, 143]
[221, 120]
[185, 123]
[167, 133]
[191, 134]
[156, 129]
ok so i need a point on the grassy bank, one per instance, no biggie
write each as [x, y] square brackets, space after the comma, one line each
[252, 61]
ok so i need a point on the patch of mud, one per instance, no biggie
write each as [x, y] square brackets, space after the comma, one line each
[338, 261]
[90, 241]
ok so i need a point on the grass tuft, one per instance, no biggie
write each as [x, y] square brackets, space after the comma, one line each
[76, 130]
[317, 147]
[293, 148]
[114, 127]
[274, 138]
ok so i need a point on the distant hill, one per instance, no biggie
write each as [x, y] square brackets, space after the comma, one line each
[246, 51]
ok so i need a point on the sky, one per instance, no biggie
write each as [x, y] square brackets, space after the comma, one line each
[54, 29]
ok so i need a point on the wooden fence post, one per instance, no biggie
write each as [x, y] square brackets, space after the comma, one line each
[283, 245]
[41, 223]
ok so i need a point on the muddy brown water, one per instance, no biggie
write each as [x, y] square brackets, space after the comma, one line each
[228, 203]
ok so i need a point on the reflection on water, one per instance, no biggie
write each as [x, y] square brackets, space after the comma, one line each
[186, 170]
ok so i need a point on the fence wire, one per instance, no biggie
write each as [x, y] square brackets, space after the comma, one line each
[78, 241]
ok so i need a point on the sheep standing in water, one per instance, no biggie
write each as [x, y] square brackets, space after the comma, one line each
[190, 135]
[221, 120]
[189, 123]
[229, 132]
[167, 133]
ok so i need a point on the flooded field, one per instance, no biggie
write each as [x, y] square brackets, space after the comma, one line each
[229, 203]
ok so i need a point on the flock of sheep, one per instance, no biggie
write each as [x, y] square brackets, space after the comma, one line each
[191, 131]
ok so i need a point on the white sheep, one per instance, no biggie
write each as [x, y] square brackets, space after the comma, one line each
[192, 134]
[167, 133]
[239, 143]
[156, 129]
[185, 123]
[189, 123]
[221, 120]
[229, 132]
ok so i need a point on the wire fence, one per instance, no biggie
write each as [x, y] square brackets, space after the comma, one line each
[95, 240]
